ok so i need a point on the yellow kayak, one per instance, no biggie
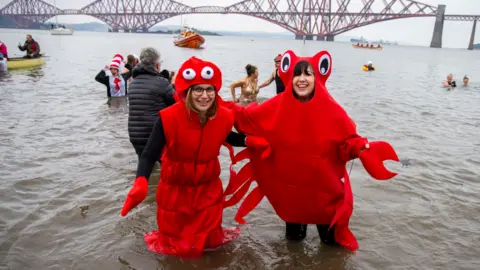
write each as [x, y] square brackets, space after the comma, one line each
[364, 68]
[17, 63]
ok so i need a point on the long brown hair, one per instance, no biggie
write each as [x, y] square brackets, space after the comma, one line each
[211, 112]
[131, 60]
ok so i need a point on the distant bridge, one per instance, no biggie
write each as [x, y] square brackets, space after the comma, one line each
[309, 19]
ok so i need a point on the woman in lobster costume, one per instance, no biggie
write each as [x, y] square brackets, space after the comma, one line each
[189, 135]
[300, 142]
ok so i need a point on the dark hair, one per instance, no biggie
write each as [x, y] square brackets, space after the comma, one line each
[131, 60]
[302, 68]
[250, 69]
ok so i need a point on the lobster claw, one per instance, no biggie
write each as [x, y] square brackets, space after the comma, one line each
[373, 156]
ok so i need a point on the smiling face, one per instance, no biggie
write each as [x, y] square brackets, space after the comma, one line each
[202, 97]
[303, 81]
[305, 74]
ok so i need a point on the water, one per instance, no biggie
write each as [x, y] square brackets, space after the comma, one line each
[67, 163]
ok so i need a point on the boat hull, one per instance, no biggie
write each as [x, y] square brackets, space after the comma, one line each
[19, 63]
[193, 42]
[61, 32]
[369, 48]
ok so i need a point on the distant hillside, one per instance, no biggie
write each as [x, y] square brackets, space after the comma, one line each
[476, 46]
[177, 31]
[7, 22]
[225, 33]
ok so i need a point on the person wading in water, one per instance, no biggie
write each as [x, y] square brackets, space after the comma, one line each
[248, 85]
[274, 77]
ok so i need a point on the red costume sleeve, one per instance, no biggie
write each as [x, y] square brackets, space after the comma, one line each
[351, 147]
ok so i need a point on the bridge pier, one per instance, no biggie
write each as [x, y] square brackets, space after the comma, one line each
[298, 36]
[330, 38]
[309, 37]
[320, 38]
[472, 37]
[145, 29]
[438, 30]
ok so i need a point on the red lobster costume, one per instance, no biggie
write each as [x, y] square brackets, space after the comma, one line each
[190, 195]
[300, 153]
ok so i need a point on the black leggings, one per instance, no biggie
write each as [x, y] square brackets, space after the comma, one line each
[297, 232]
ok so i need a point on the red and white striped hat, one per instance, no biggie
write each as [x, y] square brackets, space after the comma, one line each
[116, 62]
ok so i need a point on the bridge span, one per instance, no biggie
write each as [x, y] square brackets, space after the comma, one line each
[310, 19]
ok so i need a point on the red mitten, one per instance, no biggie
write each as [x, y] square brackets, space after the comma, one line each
[352, 148]
[259, 144]
[137, 194]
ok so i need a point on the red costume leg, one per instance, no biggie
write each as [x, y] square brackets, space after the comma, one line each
[343, 235]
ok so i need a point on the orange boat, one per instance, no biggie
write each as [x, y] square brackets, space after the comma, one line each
[189, 39]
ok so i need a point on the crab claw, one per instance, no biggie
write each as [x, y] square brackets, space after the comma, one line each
[373, 156]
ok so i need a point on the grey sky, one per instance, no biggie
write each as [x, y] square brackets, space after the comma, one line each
[413, 31]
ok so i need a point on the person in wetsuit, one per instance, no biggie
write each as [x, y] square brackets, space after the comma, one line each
[248, 85]
[274, 77]
[450, 82]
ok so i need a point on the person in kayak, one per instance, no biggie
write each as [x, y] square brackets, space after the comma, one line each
[3, 50]
[369, 66]
[31, 46]
[188, 136]
[3, 64]
[274, 77]
[450, 82]
[248, 85]
[115, 82]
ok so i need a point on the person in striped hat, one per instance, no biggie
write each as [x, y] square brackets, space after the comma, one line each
[110, 76]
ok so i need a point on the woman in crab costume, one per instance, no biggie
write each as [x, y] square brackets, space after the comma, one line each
[189, 195]
[300, 142]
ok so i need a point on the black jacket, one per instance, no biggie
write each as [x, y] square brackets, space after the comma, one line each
[105, 80]
[148, 93]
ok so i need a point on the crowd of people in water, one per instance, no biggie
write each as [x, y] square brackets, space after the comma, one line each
[450, 82]
[178, 119]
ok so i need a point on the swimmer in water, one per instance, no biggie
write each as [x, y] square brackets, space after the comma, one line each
[450, 82]
[248, 85]
[465, 80]
[369, 66]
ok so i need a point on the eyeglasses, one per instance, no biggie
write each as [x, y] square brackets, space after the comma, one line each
[197, 90]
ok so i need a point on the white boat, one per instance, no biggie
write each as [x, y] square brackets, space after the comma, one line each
[61, 31]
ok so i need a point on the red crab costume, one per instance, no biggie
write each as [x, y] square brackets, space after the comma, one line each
[300, 154]
[190, 195]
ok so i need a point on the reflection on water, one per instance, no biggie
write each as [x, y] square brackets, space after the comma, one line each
[67, 163]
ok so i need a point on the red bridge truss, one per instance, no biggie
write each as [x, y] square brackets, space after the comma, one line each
[321, 18]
